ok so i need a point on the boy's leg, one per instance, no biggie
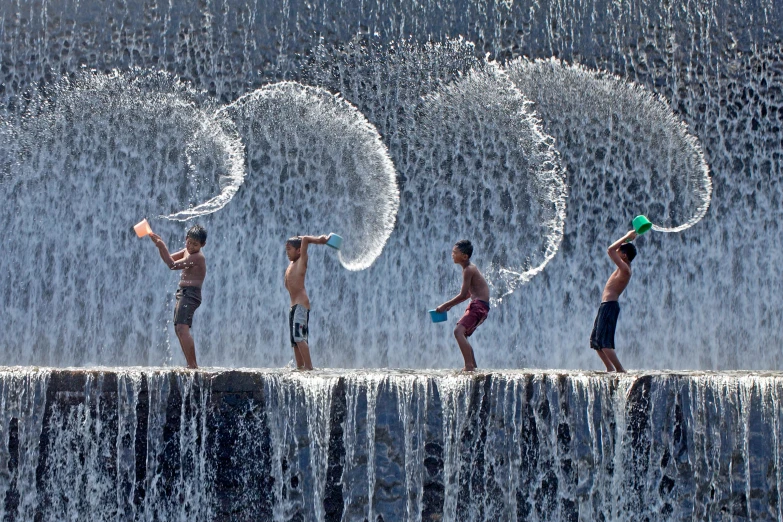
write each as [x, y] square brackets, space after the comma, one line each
[607, 362]
[302, 354]
[298, 357]
[465, 348]
[187, 343]
[609, 354]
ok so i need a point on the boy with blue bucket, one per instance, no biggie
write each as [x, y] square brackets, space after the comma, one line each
[475, 287]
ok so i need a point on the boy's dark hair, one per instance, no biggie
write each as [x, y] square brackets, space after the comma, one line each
[198, 233]
[295, 242]
[464, 246]
[629, 250]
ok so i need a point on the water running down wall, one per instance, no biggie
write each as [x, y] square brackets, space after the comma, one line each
[696, 296]
[140, 444]
[77, 288]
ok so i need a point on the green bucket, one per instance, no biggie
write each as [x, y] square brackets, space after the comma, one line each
[641, 224]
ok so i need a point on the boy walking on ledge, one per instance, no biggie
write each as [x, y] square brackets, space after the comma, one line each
[299, 315]
[475, 287]
[602, 338]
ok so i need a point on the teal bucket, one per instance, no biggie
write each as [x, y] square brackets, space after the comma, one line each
[641, 224]
[334, 241]
[438, 317]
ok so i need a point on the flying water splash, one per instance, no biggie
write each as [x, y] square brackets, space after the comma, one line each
[323, 164]
[495, 175]
[643, 153]
[133, 132]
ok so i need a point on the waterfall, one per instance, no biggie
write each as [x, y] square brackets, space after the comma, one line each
[145, 443]
[537, 129]
[73, 185]
[70, 256]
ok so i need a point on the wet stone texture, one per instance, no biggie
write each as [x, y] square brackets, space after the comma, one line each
[393, 445]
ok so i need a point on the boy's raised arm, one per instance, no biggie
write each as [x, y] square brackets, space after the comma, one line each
[464, 293]
[174, 262]
[162, 250]
[614, 249]
[316, 240]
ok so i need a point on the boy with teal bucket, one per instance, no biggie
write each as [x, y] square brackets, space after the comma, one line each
[622, 253]
[299, 313]
[475, 287]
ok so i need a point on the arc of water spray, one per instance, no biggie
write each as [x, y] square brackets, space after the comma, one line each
[317, 111]
[488, 87]
[216, 129]
[551, 83]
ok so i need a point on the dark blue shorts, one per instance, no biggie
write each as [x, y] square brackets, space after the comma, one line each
[605, 325]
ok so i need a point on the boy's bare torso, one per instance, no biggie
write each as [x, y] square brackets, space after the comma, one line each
[616, 284]
[295, 283]
[477, 285]
[195, 270]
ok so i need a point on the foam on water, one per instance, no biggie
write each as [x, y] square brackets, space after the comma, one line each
[645, 153]
[323, 167]
[495, 177]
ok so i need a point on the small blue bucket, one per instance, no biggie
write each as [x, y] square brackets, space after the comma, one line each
[438, 317]
[334, 241]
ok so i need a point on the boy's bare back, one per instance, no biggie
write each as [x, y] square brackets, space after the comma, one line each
[616, 283]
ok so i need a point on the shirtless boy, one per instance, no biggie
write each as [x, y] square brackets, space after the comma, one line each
[194, 269]
[475, 287]
[602, 339]
[299, 315]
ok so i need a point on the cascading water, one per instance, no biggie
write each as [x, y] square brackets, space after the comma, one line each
[466, 168]
[141, 444]
[117, 111]
[642, 153]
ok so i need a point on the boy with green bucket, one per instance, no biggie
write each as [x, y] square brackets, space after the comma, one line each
[194, 269]
[602, 338]
[475, 287]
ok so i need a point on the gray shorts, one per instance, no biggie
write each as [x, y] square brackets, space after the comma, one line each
[298, 318]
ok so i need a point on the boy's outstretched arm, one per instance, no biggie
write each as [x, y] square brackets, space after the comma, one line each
[464, 293]
[162, 249]
[614, 249]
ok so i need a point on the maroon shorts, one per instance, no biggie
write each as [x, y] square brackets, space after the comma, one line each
[475, 314]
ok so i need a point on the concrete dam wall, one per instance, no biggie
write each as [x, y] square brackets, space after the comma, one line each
[161, 444]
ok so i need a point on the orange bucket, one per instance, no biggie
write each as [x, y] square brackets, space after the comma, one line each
[142, 228]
